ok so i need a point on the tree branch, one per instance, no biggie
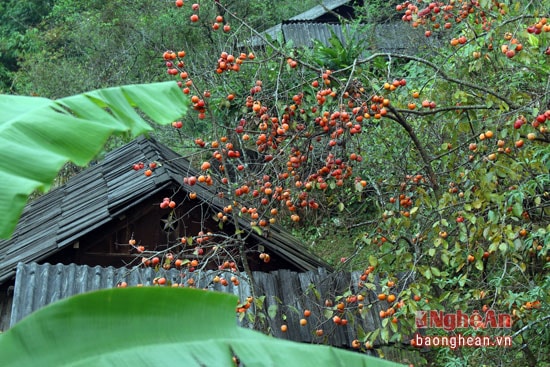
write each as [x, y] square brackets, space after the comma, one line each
[443, 75]
[397, 117]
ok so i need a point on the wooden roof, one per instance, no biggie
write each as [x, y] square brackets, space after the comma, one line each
[105, 191]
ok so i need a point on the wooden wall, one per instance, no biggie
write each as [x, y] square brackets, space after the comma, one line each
[155, 228]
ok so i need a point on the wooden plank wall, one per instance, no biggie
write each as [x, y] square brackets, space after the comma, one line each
[280, 298]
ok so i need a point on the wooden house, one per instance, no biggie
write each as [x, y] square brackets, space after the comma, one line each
[284, 295]
[90, 220]
[328, 19]
[75, 239]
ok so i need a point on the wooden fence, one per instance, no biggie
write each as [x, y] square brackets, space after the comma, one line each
[280, 297]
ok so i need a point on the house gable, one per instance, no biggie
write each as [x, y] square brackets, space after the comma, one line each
[322, 22]
[93, 216]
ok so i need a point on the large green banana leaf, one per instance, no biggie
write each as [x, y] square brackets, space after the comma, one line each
[156, 326]
[39, 135]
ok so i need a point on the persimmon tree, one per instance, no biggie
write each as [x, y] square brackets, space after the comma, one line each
[438, 159]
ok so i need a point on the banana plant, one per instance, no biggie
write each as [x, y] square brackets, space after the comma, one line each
[39, 135]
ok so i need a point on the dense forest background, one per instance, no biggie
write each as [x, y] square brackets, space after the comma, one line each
[54, 49]
[59, 48]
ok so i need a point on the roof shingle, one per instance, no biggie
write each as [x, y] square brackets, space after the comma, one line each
[104, 191]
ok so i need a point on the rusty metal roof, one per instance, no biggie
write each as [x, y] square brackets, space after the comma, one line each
[104, 191]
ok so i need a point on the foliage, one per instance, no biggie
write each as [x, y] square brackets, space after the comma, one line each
[15, 18]
[438, 159]
[340, 54]
[377, 11]
[64, 47]
[152, 326]
[39, 135]
[79, 47]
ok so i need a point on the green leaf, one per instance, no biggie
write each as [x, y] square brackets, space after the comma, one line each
[155, 326]
[517, 209]
[479, 264]
[257, 229]
[393, 328]
[272, 311]
[373, 260]
[385, 334]
[533, 40]
[48, 133]
[360, 332]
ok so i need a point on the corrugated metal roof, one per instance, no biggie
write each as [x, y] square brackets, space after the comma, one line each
[391, 37]
[304, 34]
[396, 36]
[309, 16]
[320, 10]
[287, 293]
[104, 191]
[304, 28]
[39, 285]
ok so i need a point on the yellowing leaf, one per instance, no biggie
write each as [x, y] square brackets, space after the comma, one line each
[373, 260]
